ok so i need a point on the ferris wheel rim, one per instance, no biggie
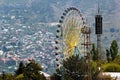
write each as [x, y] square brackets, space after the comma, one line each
[65, 18]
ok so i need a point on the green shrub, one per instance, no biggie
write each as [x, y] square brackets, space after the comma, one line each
[111, 67]
[19, 77]
[117, 60]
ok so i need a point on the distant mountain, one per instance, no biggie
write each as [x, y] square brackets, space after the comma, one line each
[50, 10]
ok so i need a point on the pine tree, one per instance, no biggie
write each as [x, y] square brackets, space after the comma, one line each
[108, 55]
[94, 53]
[114, 49]
[112, 53]
[20, 69]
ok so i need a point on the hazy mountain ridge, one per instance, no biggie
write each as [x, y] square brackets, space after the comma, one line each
[51, 10]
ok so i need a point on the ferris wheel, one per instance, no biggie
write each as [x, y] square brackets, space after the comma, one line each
[70, 34]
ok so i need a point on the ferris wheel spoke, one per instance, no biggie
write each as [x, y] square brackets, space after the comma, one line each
[69, 52]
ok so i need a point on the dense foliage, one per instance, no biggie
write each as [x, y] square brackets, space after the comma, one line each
[73, 68]
[94, 53]
[30, 71]
[112, 53]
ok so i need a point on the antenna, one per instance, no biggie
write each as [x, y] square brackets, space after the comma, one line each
[98, 7]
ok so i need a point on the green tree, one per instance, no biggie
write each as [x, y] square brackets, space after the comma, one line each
[57, 75]
[20, 69]
[32, 71]
[108, 55]
[117, 60]
[114, 49]
[94, 53]
[112, 53]
[74, 68]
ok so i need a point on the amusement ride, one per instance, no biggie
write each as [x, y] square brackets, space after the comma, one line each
[72, 37]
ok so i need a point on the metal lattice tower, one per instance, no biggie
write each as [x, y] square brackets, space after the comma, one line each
[87, 43]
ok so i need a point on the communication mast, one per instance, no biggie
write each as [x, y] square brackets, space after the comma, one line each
[98, 32]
